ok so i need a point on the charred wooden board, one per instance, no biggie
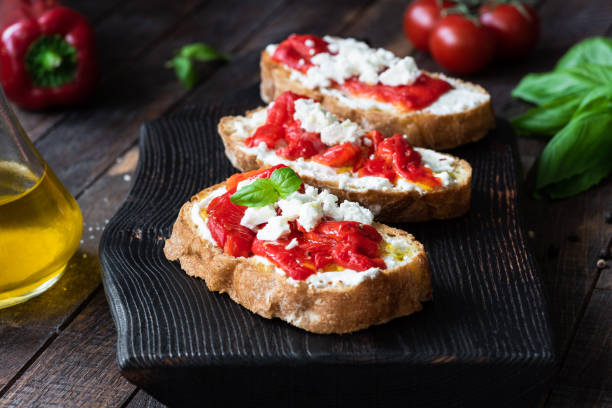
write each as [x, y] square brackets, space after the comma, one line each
[485, 339]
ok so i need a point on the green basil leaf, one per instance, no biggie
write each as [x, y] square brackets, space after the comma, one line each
[576, 81]
[185, 71]
[580, 182]
[285, 181]
[598, 98]
[596, 50]
[580, 148]
[547, 119]
[257, 194]
[202, 52]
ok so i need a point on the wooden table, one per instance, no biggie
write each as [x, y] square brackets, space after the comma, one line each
[59, 349]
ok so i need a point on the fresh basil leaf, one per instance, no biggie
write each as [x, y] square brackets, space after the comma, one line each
[596, 50]
[257, 194]
[547, 119]
[184, 63]
[580, 182]
[185, 71]
[576, 81]
[600, 97]
[202, 52]
[581, 147]
[285, 181]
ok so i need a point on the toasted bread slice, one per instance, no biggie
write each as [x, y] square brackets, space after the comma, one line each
[388, 205]
[423, 128]
[315, 304]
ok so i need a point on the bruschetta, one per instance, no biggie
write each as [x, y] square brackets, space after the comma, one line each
[285, 249]
[397, 182]
[377, 90]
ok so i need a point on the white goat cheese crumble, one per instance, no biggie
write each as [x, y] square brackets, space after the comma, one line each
[352, 211]
[312, 116]
[372, 66]
[400, 255]
[254, 216]
[308, 208]
[402, 72]
[277, 227]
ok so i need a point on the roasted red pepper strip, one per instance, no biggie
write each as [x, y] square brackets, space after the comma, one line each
[232, 182]
[48, 61]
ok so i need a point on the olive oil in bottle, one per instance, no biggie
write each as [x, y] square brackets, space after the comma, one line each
[40, 229]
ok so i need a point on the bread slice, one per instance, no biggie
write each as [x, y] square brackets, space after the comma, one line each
[267, 291]
[424, 129]
[388, 205]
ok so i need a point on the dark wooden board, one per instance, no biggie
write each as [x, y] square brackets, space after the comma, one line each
[485, 337]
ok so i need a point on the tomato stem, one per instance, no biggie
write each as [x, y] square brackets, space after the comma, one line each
[461, 9]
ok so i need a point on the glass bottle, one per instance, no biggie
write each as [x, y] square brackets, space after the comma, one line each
[40, 222]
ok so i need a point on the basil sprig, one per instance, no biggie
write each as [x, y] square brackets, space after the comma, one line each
[575, 108]
[184, 62]
[264, 191]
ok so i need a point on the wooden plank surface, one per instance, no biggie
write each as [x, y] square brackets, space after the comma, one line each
[586, 376]
[565, 244]
[81, 358]
[141, 91]
[37, 123]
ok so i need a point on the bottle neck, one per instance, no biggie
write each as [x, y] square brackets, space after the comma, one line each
[15, 146]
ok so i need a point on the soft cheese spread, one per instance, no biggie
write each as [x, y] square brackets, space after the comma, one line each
[332, 150]
[364, 77]
[308, 236]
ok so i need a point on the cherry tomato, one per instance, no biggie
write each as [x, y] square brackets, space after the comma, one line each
[516, 28]
[420, 18]
[460, 45]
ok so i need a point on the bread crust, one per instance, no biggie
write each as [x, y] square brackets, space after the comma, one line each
[388, 206]
[424, 129]
[258, 287]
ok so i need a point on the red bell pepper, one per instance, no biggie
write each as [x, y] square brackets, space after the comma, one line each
[49, 60]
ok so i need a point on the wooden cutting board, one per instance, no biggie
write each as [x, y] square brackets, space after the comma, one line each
[484, 340]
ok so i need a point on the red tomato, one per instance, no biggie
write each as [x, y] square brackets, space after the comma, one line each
[516, 30]
[461, 46]
[420, 18]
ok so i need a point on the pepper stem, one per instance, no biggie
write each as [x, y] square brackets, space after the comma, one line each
[51, 60]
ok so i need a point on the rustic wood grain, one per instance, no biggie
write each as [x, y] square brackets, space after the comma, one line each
[149, 21]
[586, 376]
[144, 400]
[37, 123]
[18, 343]
[78, 359]
[140, 91]
[243, 70]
